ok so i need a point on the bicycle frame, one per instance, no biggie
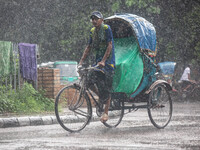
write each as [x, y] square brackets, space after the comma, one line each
[84, 86]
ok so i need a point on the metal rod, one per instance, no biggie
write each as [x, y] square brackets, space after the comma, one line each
[134, 107]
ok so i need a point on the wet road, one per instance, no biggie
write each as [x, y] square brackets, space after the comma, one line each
[134, 132]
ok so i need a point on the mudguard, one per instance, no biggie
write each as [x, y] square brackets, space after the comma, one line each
[168, 86]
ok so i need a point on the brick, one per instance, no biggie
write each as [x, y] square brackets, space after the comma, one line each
[56, 89]
[50, 86]
[51, 93]
[48, 89]
[40, 87]
[46, 75]
[49, 82]
[57, 78]
[49, 71]
[56, 72]
[51, 78]
[48, 78]
[46, 82]
[62, 86]
[45, 70]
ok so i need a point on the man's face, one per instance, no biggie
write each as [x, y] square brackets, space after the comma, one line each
[96, 21]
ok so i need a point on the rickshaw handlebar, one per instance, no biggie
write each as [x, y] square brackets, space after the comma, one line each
[84, 68]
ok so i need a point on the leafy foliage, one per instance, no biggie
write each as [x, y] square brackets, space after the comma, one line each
[25, 100]
[61, 27]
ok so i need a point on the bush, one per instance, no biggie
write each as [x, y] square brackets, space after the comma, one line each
[25, 100]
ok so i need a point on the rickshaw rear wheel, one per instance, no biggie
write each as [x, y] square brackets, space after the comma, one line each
[159, 106]
[115, 113]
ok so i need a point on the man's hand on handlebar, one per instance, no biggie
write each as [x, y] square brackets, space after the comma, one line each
[101, 64]
[79, 66]
[193, 81]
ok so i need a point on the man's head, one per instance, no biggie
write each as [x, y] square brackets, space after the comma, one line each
[96, 18]
[189, 65]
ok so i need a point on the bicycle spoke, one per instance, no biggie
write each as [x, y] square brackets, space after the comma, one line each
[80, 112]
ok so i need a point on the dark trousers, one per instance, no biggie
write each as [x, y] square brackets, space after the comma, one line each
[103, 83]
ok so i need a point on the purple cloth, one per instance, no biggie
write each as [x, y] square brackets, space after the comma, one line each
[28, 63]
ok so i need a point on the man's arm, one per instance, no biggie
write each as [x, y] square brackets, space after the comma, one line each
[85, 54]
[106, 55]
[189, 78]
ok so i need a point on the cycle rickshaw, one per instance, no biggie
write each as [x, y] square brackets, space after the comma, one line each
[135, 83]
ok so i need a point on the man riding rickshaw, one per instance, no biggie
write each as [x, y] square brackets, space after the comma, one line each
[134, 78]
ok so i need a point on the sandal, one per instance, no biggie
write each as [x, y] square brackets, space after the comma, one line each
[104, 117]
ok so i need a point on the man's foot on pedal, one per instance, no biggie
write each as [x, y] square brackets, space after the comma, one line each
[104, 117]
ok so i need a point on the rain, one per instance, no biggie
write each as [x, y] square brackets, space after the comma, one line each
[155, 81]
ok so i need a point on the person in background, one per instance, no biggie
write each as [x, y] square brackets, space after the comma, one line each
[102, 45]
[186, 78]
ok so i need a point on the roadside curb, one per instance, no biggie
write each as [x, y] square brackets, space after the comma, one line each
[27, 121]
[34, 121]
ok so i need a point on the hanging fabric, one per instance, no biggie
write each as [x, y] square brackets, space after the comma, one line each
[6, 58]
[28, 61]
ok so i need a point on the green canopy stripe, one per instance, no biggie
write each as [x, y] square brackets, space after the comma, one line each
[129, 65]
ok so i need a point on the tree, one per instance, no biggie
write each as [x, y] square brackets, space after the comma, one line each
[61, 27]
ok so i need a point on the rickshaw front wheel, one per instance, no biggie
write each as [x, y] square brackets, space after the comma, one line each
[159, 106]
[73, 108]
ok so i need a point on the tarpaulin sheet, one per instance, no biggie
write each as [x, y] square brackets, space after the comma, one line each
[129, 65]
[148, 76]
[6, 58]
[28, 63]
[167, 68]
[144, 30]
